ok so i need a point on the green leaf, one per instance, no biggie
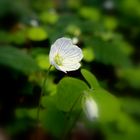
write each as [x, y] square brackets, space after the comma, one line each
[74, 4]
[126, 123]
[49, 17]
[69, 92]
[18, 37]
[110, 22]
[37, 34]
[131, 76]
[109, 105]
[43, 61]
[125, 129]
[47, 100]
[90, 78]
[53, 120]
[22, 113]
[88, 54]
[105, 52]
[17, 59]
[73, 30]
[90, 13]
[131, 105]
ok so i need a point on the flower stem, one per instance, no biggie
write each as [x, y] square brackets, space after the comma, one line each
[72, 107]
[69, 128]
[42, 92]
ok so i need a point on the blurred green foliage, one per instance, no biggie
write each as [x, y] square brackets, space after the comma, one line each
[107, 31]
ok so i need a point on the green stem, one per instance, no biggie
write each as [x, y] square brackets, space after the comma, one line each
[68, 129]
[42, 92]
[72, 107]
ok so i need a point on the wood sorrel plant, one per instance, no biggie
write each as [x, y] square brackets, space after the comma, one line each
[73, 95]
[65, 56]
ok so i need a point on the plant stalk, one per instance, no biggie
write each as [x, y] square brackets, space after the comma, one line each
[42, 92]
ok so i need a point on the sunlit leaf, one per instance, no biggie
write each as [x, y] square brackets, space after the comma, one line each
[88, 54]
[109, 105]
[69, 92]
[43, 61]
[110, 23]
[49, 17]
[90, 78]
[90, 13]
[37, 34]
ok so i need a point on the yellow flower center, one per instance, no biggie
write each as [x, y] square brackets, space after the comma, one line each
[58, 59]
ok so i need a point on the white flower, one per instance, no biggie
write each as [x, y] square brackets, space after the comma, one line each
[64, 55]
[90, 108]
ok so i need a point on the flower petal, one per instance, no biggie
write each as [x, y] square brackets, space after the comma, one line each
[74, 53]
[61, 43]
[71, 67]
[66, 68]
[90, 108]
[61, 68]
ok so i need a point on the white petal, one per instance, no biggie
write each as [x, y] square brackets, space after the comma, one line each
[90, 108]
[68, 67]
[59, 44]
[71, 67]
[61, 68]
[72, 53]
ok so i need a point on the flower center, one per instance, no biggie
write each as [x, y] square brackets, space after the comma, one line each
[58, 59]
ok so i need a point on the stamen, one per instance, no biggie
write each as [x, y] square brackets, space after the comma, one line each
[58, 59]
